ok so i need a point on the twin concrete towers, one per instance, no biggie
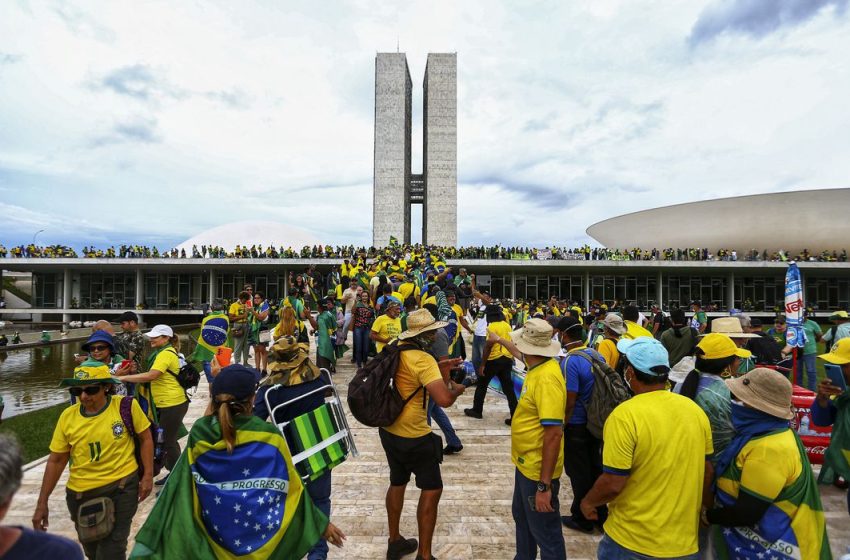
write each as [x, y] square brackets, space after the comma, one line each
[396, 188]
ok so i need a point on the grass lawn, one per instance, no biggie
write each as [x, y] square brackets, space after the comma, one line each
[34, 430]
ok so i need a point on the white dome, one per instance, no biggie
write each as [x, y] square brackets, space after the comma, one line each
[228, 236]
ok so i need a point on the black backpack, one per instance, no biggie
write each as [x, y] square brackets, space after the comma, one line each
[373, 397]
[609, 390]
[188, 376]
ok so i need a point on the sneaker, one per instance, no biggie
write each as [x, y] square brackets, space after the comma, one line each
[161, 481]
[472, 414]
[570, 522]
[452, 449]
[402, 547]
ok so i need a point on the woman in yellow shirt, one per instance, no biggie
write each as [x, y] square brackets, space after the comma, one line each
[167, 397]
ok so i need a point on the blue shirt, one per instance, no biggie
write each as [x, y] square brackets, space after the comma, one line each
[579, 376]
[36, 544]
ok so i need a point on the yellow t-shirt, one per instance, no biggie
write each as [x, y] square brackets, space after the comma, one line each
[661, 441]
[386, 327]
[633, 330]
[503, 330]
[542, 403]
[408, 289]
[101, 450]
[415, 368]
[429, 299]
[608, 349]
[235, 310]
[165, 388]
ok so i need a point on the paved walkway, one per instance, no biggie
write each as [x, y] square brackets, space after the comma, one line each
[475, 511]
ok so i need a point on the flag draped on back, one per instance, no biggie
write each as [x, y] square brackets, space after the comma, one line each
[249, 504]
[214, 329]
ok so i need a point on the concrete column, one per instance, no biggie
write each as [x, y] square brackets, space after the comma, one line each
[212, 287]
[513, 284]
[66, 295]
[140, 286]
[659, 291]
[586, 288]
[730, 291]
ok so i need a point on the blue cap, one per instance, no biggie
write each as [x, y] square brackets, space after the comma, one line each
[100, 336]
[237, 380]
[646, 355]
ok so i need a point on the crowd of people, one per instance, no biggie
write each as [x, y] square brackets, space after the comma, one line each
[586, 252]
[672, 430]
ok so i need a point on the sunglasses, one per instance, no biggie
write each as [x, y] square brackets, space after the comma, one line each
[91, 390]
[98, 348]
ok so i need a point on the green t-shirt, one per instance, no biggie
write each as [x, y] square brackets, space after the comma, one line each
[812, 329]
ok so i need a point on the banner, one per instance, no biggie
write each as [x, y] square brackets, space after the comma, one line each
[544, 254]
[794, 334]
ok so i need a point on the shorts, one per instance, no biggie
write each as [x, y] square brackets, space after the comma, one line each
[421, 456]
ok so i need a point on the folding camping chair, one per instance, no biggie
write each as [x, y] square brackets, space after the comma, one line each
[321, 439]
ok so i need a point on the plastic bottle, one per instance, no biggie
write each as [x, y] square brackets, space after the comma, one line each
[804, 426]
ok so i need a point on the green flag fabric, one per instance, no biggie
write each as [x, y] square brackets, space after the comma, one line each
[249, 504]
[836, 460]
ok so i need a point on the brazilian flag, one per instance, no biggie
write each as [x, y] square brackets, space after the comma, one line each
[249, 504]
[393, 241]
[214, 330]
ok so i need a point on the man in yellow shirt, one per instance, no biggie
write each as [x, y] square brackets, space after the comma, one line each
[409, 444]
[387, 326]
[536, 450]
[654, 461]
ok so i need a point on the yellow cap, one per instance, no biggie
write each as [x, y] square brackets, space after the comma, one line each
[839, 353]
[89, 373]
[715, 346]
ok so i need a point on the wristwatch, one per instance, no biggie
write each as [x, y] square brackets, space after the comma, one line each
[543, 487]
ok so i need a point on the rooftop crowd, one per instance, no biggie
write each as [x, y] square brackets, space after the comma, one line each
[472, 252]
[699, 454]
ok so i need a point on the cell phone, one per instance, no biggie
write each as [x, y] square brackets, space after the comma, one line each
[835, 375]
[124, 363]
[81, 355]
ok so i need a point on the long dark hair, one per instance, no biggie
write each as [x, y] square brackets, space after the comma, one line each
[677, 316]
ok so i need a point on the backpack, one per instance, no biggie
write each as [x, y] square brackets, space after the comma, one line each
[125, 409]
[609, 390]
[373, 397]
[187, 376]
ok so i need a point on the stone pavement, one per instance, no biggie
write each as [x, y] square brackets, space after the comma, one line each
[474, 521]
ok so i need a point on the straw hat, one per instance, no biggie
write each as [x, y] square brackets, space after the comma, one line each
[731, 327]
[766, 390]
[420, 321]
[535, 339]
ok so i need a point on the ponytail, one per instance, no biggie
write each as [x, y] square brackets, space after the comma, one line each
[225, 407]
[175, 342]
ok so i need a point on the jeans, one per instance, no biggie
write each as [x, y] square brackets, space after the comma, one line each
[346, 323]
[439, 415]
[501, 368]
[320, 493]
[583, 464]
[478, 350]
[533, 528]
[610, 550]
[361, 345]
[207, 371]
[811, 371]
[126, 500]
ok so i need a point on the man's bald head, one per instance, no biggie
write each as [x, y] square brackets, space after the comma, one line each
[103, 325]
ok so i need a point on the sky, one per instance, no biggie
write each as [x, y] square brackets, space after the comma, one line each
[149, 122]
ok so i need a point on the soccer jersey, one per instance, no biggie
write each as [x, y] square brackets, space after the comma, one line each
[503, 330]
[542, 403]
[165, 388]
[772, 467]
[660, 440]
[415, 369]
[101, 449]
[386, 327]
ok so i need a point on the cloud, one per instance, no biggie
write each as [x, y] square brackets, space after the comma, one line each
[81, 23]
[8, 58]
[756, 18]
[137, 81]
[135, 130]
[233, 98]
